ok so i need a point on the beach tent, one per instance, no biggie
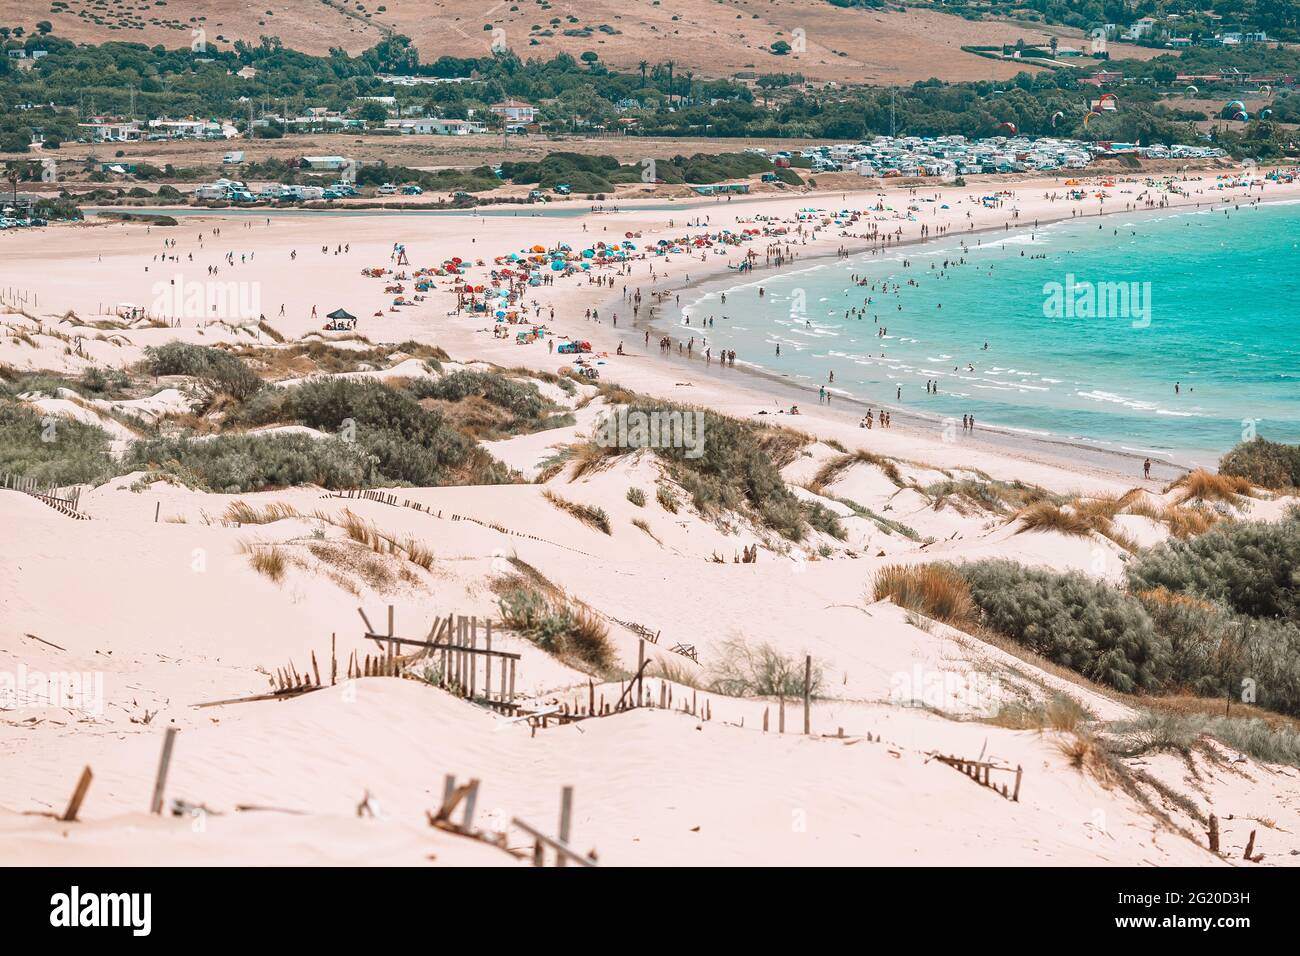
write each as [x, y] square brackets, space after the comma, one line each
[341, 315]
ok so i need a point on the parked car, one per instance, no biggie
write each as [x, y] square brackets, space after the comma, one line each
[387, 189]
[412, 191]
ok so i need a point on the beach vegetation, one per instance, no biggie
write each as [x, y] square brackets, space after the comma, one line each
[936, 590]
[559, 625]
[265, 559]
[1249, 567]
[636, 496]
[52, 450]
[834, 469]
[742, 669]
[1202, 485]
[596, 517]
[667, 500]
[1085, 625]
[401, 442]
[219, 372]
[1264, 463]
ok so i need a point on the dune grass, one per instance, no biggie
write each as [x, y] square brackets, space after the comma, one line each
[935, 590]
[741, 669]
[265, 559]
[595, 517]
[241, 512]
[1045, 516]
[557, 624]
[1209, 486]
[834, 469]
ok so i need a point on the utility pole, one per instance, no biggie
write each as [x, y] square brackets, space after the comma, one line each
[893, 126]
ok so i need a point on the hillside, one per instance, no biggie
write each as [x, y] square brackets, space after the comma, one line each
[708, 37]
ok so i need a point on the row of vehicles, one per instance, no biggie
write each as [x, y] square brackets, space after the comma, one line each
[227, 190]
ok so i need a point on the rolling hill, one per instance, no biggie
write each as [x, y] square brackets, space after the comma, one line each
[710, 38]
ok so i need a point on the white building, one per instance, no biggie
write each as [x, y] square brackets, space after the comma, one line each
[515, 111]
[434, 126]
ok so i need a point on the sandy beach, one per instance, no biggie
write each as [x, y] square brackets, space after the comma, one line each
[155, 593]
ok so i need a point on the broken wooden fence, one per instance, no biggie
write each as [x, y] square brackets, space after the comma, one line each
[464, 667]
[981, 770]
[48, 493]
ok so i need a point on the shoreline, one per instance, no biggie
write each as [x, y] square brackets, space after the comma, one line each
[1043, 448]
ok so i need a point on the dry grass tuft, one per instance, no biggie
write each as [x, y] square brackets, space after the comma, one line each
[1210, 486]
[1088, 755]
[1046, 516]
[1189, 521]
[1061, 713]
[640, 523]
[834, 469]
[596, 517]
[935, 590]
[267, 560]
[241, 512]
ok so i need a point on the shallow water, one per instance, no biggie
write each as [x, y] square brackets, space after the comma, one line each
[1199, 299]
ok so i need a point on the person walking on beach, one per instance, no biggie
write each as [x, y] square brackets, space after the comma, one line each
[1146, 469]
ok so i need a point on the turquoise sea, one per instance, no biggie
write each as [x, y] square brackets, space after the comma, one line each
[1213, 306]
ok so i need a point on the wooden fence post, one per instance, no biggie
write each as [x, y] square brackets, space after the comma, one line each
[78, 795]
[566, 814]
[164, 763]
[807, 693]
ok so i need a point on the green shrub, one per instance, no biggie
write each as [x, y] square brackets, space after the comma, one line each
[520, 399]
[409, 444]
[234, 464]
[559, 627]
[737, 469]
[1072, 620]
[1250, 567]
[742, 670]
[823, 519]
[218, 371]
[52, 450]
[636, 496]
[1264, 463]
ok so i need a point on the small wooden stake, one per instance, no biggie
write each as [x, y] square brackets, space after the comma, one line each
[70, 814]
[566, 815]
[164, 763]
[1214, 833]
[807, 692]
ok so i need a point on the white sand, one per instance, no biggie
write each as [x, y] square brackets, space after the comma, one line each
[171, 614]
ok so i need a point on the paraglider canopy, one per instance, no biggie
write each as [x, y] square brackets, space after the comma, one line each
[1009, 127]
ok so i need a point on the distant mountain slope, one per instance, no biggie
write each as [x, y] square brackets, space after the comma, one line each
[707, 37]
